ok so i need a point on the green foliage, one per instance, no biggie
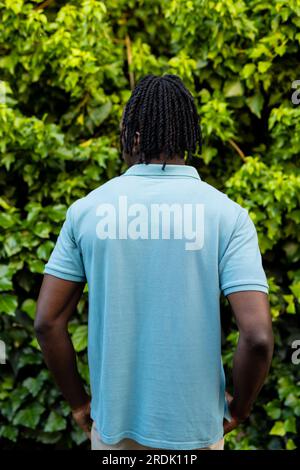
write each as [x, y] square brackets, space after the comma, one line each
[66, 69]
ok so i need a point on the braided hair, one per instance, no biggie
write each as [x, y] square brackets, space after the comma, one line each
[163, 111]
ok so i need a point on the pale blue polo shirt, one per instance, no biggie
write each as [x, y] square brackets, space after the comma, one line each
[157, 248]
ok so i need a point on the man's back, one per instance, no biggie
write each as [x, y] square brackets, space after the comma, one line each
[157, 247]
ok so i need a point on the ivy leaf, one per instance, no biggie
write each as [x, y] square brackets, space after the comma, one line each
[290, 445]
[248, 70]
[5, 277]
[29, 307]
[99, 114]
[8, 304]
[44, 250]
[79, 338]
[263, 66]
[35, 384]
[42, 229]
[55, 422]
[233, 89]
[290, 424]
[278, 429]
[30, 416]
[9, 432]
[7, 220]
[291, 303]
[255, 104]
[78, 436]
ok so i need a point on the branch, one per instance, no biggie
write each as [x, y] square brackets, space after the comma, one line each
[129, 60]
[43, 5]
[237, 149]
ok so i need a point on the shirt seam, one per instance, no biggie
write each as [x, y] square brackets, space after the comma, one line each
[164, 176]
[232, 234]
[76, 241]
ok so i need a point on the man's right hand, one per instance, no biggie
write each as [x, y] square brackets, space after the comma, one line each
[234, 422]
[230, 425]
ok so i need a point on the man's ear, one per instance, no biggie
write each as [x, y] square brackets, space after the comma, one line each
[136, 142]
[137, 137]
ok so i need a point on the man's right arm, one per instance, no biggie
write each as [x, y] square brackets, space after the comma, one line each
[254, 351]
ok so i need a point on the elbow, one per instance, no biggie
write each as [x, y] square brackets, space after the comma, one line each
[44, 327]
[261, 343]
[41, 327]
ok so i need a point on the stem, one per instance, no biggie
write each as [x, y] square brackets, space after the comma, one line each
[237, 148]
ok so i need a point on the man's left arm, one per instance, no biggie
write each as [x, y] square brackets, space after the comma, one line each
[57, 302]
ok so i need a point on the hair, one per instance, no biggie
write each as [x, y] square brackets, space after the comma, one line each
[164, 113]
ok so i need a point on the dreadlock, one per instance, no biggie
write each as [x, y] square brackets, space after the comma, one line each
[163, 111]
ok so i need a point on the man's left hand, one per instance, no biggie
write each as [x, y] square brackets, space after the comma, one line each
[82, 416]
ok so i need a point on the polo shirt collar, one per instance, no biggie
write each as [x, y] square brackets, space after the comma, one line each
[155, 169]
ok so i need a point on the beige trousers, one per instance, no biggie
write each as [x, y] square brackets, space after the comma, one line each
[129, 444]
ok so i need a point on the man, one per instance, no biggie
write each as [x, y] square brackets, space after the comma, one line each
[157, 246]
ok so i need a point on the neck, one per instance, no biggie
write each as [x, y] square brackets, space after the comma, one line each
[176, 160]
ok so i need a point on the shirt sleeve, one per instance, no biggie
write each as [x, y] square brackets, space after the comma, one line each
[240, 268]
[65, 260]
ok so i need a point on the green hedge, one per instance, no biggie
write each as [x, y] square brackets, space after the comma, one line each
[66, 71]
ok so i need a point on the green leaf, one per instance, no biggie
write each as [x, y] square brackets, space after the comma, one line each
[99, 114]
[5, 277]
[35, 384]
[233, 89]
[48, 437]
[291, 303]
[55, 422]
[208, 154]
[78, 436]
[36, 266]
[273, 409]
[8, 304]
[57, 213]
[9, 432]
[278, 429]
[17, 397]
[44, 250]
[15, 5]
[295, 288]
[290, 445]
[42, 229]
[7, 220]
[79, 338]
[264, 66]
[29, 307]
[290, 424]
[248, 70]
[30, 416]
[255, 103]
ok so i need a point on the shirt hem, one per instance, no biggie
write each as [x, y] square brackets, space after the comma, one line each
[65, 276]
[157, 443]
[245, 287]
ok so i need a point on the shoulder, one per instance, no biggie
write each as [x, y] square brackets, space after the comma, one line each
[81, 205]
[220, 202]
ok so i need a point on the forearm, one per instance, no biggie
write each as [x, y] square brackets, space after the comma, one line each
[251, 364]
[60, 357]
